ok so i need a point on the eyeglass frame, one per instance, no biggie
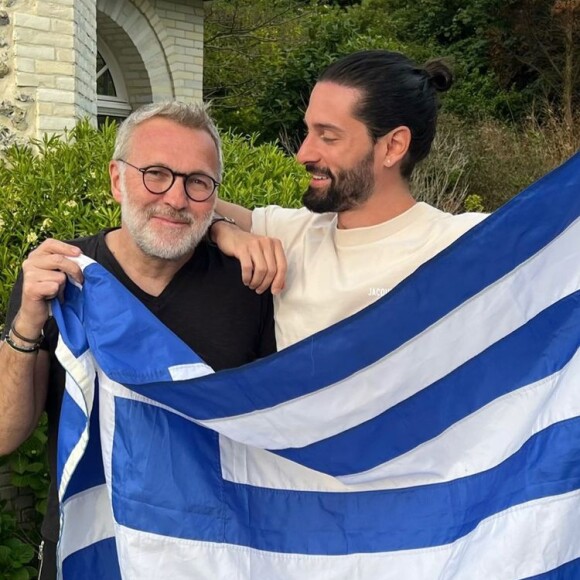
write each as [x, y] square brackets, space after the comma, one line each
[174, 175]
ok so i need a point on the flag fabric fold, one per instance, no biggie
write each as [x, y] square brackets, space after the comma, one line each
[433, 435]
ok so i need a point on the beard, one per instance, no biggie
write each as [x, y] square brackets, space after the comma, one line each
[348, 189]
[157, 242]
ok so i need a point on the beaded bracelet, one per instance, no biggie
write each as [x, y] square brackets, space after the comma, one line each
[18, 348]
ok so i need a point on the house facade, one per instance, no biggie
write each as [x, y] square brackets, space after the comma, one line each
[61, 60]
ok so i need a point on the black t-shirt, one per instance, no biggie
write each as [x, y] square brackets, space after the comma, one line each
[205, 304]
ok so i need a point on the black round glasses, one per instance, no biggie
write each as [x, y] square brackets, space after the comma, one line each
[158, 179]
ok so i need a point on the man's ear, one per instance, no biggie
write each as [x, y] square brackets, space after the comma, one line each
[394, 145]
[115, 175]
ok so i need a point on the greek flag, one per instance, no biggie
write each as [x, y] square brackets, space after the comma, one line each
[433, 435]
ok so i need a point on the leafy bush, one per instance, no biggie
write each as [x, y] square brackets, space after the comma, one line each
[29, 468]
[258, 175]
[15, 555]
[52, 188]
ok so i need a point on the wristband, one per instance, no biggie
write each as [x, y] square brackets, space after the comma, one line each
[215, 220]
[37, 340]
[19, 348]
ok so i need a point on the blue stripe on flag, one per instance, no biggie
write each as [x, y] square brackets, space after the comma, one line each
[178, 459]
[187, 503]
[568, 571]
[98, 561]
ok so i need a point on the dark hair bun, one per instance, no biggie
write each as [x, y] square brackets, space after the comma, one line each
[439, 73]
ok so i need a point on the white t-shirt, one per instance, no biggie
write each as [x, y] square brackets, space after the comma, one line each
[333, 273]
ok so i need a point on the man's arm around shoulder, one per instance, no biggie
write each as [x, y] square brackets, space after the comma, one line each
[262, 259]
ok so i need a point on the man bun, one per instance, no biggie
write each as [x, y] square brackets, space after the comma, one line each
[439, 74]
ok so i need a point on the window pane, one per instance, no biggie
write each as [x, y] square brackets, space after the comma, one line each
[100, 62]
[105, 85]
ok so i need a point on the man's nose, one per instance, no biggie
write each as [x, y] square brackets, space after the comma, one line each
[175, 196]
[307, 152]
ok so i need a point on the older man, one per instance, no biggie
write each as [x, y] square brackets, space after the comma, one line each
[165, 171]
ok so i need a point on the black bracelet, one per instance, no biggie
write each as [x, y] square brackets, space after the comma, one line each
[16, 347]
[24, 339]
[215, 220]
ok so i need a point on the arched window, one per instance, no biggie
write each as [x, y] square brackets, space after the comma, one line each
[112, 99]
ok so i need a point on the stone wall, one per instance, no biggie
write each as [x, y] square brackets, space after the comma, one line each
[48, 51]
[48, 56]
[158, 44]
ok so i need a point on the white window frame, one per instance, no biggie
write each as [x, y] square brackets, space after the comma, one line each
[113, 106]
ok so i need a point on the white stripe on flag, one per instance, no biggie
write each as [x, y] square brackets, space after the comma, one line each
[90, 521]
[79, 385]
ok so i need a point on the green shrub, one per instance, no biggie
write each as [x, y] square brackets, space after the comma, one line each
[29, 469]
[52, 188]
[15, 554]
[258, 175]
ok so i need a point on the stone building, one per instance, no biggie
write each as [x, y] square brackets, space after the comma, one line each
[61, 60]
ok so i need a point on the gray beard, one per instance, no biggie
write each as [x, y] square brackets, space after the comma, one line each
[173, 245]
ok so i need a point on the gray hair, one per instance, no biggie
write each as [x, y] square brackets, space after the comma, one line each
[193, 116]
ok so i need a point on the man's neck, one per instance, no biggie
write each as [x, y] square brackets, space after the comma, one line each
[151, 274]
[382, 206]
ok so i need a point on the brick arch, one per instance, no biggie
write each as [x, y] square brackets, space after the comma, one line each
[144, 29]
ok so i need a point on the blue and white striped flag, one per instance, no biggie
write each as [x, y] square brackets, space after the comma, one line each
[434, 435]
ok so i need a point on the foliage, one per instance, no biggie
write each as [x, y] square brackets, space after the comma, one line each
[52, 188]
[442, 179]
[29, 466]
[263, 57]
[243, 44]
[541, 54]
[29, 469]
[260, 174]
[506, 159]
[15, 555]
[259, 78]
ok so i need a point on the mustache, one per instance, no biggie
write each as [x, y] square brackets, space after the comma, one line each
[173, 214]
[311, 168]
